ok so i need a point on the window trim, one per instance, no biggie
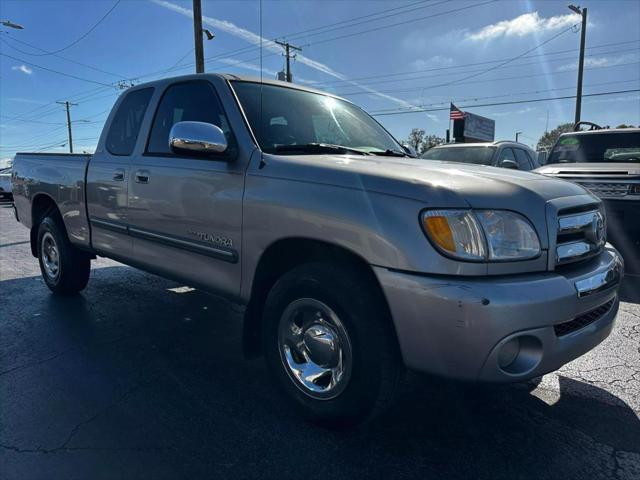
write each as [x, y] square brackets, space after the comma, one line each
[225, 156]
[117, 110]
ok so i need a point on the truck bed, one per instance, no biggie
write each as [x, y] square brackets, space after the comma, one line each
[42, 177]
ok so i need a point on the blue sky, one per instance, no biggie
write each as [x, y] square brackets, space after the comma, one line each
[396, 61]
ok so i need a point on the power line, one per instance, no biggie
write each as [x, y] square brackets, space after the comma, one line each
[380, 12]
[256, 48]
[81, 36]
[498, 79]
[518, 102]
[530, 92]
[56, 71]
[360, 20]
[4, 40]
[449, 74]
[500, 65]
[413, 20]
[451, 67]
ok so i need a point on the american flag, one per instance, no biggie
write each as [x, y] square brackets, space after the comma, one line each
[455, 113]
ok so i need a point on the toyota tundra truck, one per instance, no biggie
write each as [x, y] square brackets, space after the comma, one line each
[354, 261]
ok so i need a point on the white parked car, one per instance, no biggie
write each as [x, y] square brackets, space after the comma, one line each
[5, 186]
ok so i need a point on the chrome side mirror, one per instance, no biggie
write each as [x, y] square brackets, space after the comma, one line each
[509, 164]
[409, 150]
[197, 137]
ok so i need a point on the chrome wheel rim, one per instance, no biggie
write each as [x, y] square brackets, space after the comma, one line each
[50, 256]
[314, 348]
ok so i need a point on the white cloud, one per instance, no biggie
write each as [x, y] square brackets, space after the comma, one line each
[598, 62]
[435, 61]
[520, 111]
[268, 45]
[24, 100]
[23, 69]
[524, 25]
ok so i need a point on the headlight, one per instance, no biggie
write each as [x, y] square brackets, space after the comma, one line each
[481, 235]
[456, 232]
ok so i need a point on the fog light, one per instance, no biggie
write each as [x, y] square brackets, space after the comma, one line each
[509, 352]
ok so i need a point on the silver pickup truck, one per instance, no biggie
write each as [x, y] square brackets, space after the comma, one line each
[353, 259]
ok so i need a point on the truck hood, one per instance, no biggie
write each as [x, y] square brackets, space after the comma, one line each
[435, 184]
[441, 184]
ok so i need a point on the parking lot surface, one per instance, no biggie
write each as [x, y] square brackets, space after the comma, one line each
[141, 377]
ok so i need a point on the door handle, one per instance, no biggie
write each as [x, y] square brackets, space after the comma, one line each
[118, 175]
[142, 176]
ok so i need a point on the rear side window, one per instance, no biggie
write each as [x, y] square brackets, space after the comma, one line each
[125, 126]
[188, 101]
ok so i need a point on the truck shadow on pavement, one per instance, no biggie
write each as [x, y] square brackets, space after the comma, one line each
[139, 376]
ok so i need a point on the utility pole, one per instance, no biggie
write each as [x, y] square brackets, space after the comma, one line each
[583, 33]
[197, 35]
[287, 53]
[67, 105]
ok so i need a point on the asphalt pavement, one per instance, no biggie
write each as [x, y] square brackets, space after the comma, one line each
[141, 377]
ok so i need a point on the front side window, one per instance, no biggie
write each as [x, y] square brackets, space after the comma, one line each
[123, 132]
[522, 159]
[597, 147]
[282, 117]
[474, 155]
[188, 101]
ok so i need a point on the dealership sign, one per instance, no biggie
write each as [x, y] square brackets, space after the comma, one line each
[479, 128]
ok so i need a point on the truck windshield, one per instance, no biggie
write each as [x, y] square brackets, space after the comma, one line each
[282, 118]
[478, 155]
[597, 147]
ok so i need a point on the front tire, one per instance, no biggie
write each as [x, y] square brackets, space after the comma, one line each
[65, 269]
[330, 345]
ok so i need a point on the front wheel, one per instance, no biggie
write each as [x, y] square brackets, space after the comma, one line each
[65, 269]
[330, 344]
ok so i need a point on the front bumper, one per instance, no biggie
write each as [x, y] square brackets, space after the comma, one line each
[457, 327]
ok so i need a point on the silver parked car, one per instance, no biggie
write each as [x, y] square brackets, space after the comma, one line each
[503, 154]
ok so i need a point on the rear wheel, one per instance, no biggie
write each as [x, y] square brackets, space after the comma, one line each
[330, 346]
[65, 269]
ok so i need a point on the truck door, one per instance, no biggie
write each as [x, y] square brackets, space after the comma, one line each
[107, 185]
[185, 210]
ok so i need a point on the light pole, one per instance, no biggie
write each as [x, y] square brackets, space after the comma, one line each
[517, 134]
[583, 32]
[198, 32]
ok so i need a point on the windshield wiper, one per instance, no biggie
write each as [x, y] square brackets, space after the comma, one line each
[318, 148]
[389, 153]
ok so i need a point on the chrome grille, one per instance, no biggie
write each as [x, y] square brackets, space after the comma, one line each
[607, 190]
[579, 236]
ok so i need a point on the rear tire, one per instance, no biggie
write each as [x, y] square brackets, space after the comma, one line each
[65, 269]
[330, 345]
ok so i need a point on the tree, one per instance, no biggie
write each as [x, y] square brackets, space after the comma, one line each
[422, 142]
[624, 125]
[548, 139]
[416, 137]
[431, 141]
